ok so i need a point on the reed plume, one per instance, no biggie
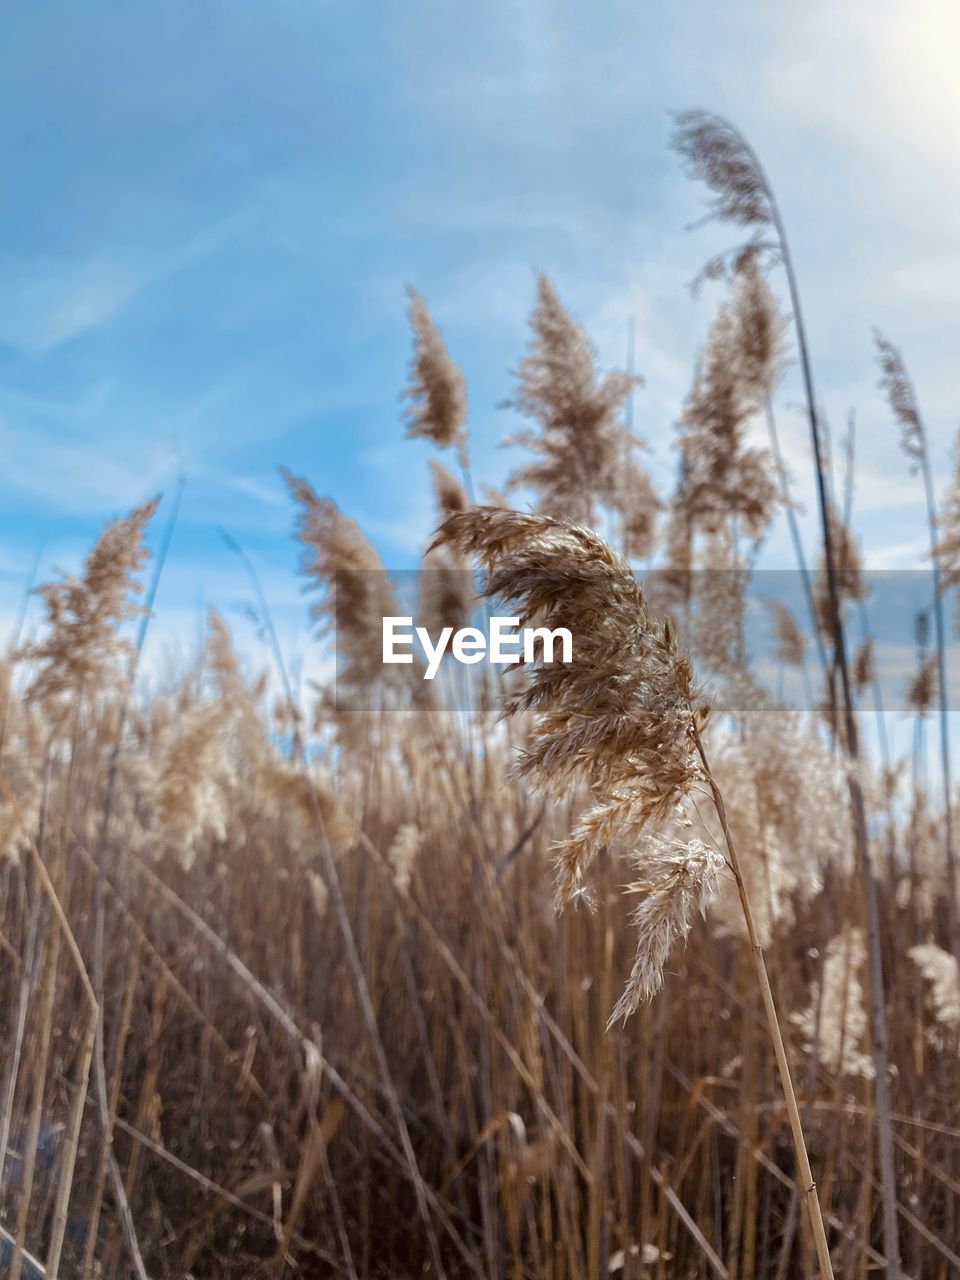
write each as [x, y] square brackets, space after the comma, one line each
[673, 582]
[922, 686]
[402, 855]
[761, 331]
[635, 500]
[678, 878]
[355, 592]
[725, 478]
[436, 389]
[193, 781]
[896, 386]
[448, 492]
[716, 154]
[948, 545]
[618, 717]
[81, 648]
[864, 670]
[848, 578]
[580, 437]
[790, 644]
[939, 968]
[834, 1023]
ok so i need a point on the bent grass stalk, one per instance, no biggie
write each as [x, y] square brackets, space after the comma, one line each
[717, 153]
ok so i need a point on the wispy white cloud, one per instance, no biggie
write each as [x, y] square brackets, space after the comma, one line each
[45, 302]
[78, 475]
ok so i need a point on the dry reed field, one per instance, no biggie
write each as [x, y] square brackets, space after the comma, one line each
[615, 966]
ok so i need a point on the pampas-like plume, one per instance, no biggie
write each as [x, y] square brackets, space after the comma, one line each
[355, 593]
[449, 493]
[716, 154]
[761, 330]
[895, 384]
[717, 634]
[672, 584]
[724, 477]
[190, 796]
[948, 545]
[939, 968]
[783, 791]
[922, 686]
[446, 593]
[864, 666]
[619, 716]
[835, 1024]
[81, 646]
[580, 439]
[220, 655]
[289, 792]
[678, 877]
[790, 642]
[402, 855]
[635, 500]
[848, 571]
[436, 389]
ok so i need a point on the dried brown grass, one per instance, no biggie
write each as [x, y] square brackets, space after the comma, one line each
[344, 1032]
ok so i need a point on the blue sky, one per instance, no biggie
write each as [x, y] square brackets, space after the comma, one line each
[209, 212]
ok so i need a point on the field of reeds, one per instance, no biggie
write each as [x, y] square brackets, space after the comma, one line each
[616, 966]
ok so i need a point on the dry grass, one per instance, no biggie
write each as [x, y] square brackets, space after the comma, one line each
[284, 990]
[251, 1119]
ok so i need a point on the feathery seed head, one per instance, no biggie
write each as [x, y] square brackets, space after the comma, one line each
[402, 855]
[619, 716]
[678, 878]
[923, 685]
[81, 644]
[715, 153]
[436, 390]
[355, 593]
[835, 1023]
[449, 492]
[864, 666]
[791, 644]
[723, 476]
[947, 550]
[635, 499]
[760, 331]
[896, 386]
[940, 970]
[580, 443]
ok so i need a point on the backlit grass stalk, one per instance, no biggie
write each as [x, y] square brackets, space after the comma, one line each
[718, 154]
